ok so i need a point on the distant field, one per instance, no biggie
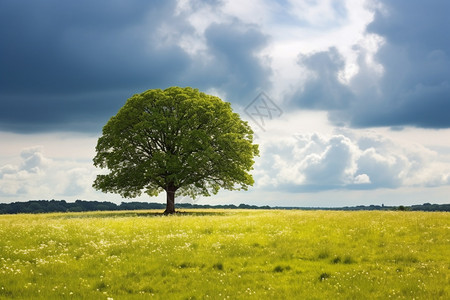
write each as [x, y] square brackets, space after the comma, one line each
[226, 254]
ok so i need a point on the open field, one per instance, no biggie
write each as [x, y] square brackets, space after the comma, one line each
[226, 254]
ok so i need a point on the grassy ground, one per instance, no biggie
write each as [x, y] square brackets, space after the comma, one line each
[226, 254]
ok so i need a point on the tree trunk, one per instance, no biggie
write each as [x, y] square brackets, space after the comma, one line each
[170, 206]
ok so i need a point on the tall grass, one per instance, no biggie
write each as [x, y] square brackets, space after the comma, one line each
[225, 254]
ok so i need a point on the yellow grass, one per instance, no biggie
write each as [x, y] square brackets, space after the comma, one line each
[225, 254]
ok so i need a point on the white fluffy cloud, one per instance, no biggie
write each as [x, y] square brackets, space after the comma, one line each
[345, 160]
[348, 160]
[37, 175]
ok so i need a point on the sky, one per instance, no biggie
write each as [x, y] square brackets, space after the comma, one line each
[349, 99]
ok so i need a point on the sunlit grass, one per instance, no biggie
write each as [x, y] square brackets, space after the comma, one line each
[220, 254]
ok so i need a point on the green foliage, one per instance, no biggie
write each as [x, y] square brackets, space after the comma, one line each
[176, 139]
[221, 254]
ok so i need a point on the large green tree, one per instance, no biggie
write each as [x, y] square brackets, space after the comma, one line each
[175, 140]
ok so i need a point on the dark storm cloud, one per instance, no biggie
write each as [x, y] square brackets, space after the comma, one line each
[58, 46]
[237, 69]
[323, 90]
[76, 61]
[71, 65]
[416, 61]
[414, 88]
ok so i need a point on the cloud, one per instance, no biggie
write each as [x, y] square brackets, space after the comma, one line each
[39, 176]
[33, 160]
[323, 90]
[237, 67]
[78, 62]
[71, 66]
[318, 14]
[403, 71]
[415, 86]
[331, 165]
[348, 161]
[57, 47]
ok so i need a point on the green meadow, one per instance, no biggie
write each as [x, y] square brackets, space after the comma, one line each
[226, 254]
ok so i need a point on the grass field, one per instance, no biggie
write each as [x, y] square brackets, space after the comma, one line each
[226, 254]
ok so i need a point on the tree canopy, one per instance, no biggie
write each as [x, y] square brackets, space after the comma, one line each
[175, 140]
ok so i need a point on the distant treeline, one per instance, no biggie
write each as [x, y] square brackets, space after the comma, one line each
[419, 207]
[48, 206]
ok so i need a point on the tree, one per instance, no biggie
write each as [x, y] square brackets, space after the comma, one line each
[175, 140]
